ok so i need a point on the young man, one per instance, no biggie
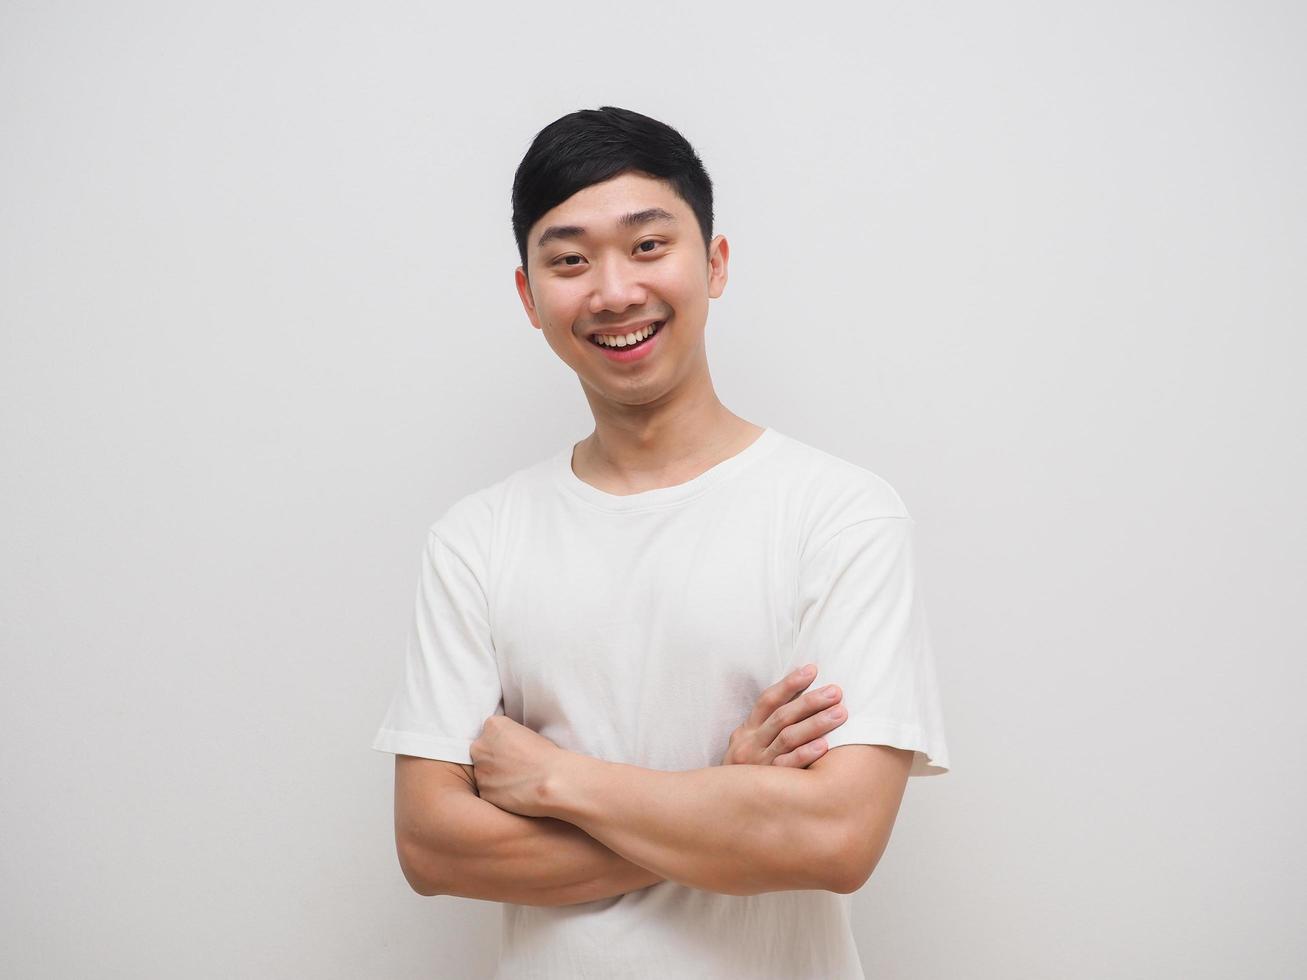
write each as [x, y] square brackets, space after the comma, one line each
[589, 728]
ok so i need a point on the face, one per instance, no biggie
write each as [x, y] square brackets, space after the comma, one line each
[615, 258]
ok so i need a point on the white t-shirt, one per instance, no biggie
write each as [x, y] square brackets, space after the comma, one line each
[641, 629]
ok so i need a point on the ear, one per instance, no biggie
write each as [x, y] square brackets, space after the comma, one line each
[524, 293]
[719, 252]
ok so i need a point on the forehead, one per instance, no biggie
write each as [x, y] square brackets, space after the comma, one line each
[603, 209]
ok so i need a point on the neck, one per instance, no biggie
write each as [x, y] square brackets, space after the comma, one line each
[644, 447]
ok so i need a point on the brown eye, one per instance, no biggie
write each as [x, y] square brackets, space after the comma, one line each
[647, 241]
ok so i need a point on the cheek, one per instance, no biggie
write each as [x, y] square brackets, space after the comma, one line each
[684, 285]
[562, 306]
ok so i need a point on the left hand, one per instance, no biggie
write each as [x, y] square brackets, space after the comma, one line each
[512, 765]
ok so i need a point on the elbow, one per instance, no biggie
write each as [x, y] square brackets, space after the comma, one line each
[421, 886]
[855, 857]
[418, 867]
[847, 879]
[824, 856]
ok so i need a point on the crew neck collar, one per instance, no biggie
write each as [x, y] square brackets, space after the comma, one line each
[660, 497]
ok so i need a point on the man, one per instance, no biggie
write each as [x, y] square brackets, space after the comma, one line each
[587, 729]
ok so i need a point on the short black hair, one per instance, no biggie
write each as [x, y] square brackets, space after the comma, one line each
[590, 146]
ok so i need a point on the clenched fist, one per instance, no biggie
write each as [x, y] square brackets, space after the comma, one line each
[512, 765]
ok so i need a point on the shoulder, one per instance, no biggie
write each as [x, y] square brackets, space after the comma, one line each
[468, 526]
[828, 493]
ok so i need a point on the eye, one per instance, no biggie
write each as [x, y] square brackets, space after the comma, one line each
[564, 260]
[648, 241]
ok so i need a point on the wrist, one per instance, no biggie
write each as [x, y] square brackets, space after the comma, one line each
[560, 791]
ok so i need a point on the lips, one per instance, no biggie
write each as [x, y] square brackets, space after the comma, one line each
[632, 352]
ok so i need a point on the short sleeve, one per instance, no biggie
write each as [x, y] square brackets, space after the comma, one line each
[861, 619]
[450, 684]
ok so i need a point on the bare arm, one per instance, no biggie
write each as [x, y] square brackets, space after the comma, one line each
[452, 842]
[735, 830]
[476, 850]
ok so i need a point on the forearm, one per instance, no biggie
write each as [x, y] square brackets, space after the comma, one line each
[488, 853]
[737, 830]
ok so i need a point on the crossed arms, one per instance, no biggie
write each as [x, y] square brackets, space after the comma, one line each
[533, 824]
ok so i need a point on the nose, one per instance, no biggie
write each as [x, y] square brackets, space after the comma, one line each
[617, 288]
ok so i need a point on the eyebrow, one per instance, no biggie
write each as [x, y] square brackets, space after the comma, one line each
[625, 221]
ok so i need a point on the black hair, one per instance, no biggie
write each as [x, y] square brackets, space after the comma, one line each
[590, 146]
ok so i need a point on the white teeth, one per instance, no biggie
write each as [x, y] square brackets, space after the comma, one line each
[627, 340]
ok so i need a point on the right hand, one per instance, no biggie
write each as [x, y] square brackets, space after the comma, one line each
[786, 726]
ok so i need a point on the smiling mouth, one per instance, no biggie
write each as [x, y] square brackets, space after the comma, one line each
[627, 341]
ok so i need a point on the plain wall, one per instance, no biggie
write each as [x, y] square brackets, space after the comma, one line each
[1039, 266]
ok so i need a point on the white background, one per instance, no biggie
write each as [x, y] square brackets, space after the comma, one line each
[1040, 266]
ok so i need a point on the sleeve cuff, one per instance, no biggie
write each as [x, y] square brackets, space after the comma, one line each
[930, 756]
[424, 746]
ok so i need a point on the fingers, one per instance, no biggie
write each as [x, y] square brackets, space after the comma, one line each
[784, 690]
[804, 755]
[796, 711]
[809, 730]
[786, 725]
